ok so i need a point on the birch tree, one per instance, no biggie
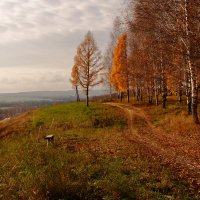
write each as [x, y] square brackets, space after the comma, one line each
[189, 7]
[173, 33]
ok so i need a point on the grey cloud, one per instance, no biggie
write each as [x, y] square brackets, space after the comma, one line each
[3, 29]
[41, 36]
[9, 5]
[53, 50]
[46, 50]
[8, 80]
[53, 78]
[29, 80]
[46, 18]
[49, 16]
[53, 2]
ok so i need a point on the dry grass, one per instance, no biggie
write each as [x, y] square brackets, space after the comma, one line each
[93, 157]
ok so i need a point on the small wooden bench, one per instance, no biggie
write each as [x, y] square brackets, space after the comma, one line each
[49, 138]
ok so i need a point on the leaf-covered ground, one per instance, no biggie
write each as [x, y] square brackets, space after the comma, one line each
[100, 152]
[170, 136]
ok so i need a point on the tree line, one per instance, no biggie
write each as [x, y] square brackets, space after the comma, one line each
[154, 51]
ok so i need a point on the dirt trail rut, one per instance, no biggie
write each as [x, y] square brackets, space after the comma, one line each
[161, 145]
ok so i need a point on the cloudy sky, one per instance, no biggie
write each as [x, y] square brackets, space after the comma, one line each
[38, 39]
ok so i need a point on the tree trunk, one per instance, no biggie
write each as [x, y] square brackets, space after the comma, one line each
[77, 95]
[121, 96]
[156, 97]
[150, 99]
[180, 93]
[164, 84]
[164, 91]
[110, 90]
[141, 95]
[150, 96]
[87, 96]
[155, 90]
[194, 93]
[118, 95]
[137, 93]
[164, 100]
[128, 95]
[193, 81]
[188, 92]
[188, 99]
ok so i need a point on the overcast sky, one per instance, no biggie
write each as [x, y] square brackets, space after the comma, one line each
[38, 39]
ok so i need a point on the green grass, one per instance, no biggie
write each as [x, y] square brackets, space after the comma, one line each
[90, 159]
[76, 116]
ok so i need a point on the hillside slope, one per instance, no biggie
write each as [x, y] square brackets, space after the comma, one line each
[92, 157]
[174, 141]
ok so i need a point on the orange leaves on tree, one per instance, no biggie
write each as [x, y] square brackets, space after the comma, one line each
[75, 81]
[75, 74]
[119, 71]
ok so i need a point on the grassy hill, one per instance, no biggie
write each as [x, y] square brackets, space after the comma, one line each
[91, 158]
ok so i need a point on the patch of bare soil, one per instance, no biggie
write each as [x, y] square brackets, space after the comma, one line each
[181, 156]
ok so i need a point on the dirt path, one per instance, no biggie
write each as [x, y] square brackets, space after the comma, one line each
[162, 146]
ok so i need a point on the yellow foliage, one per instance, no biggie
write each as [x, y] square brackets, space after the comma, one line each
[75, 75]
[119, 72]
